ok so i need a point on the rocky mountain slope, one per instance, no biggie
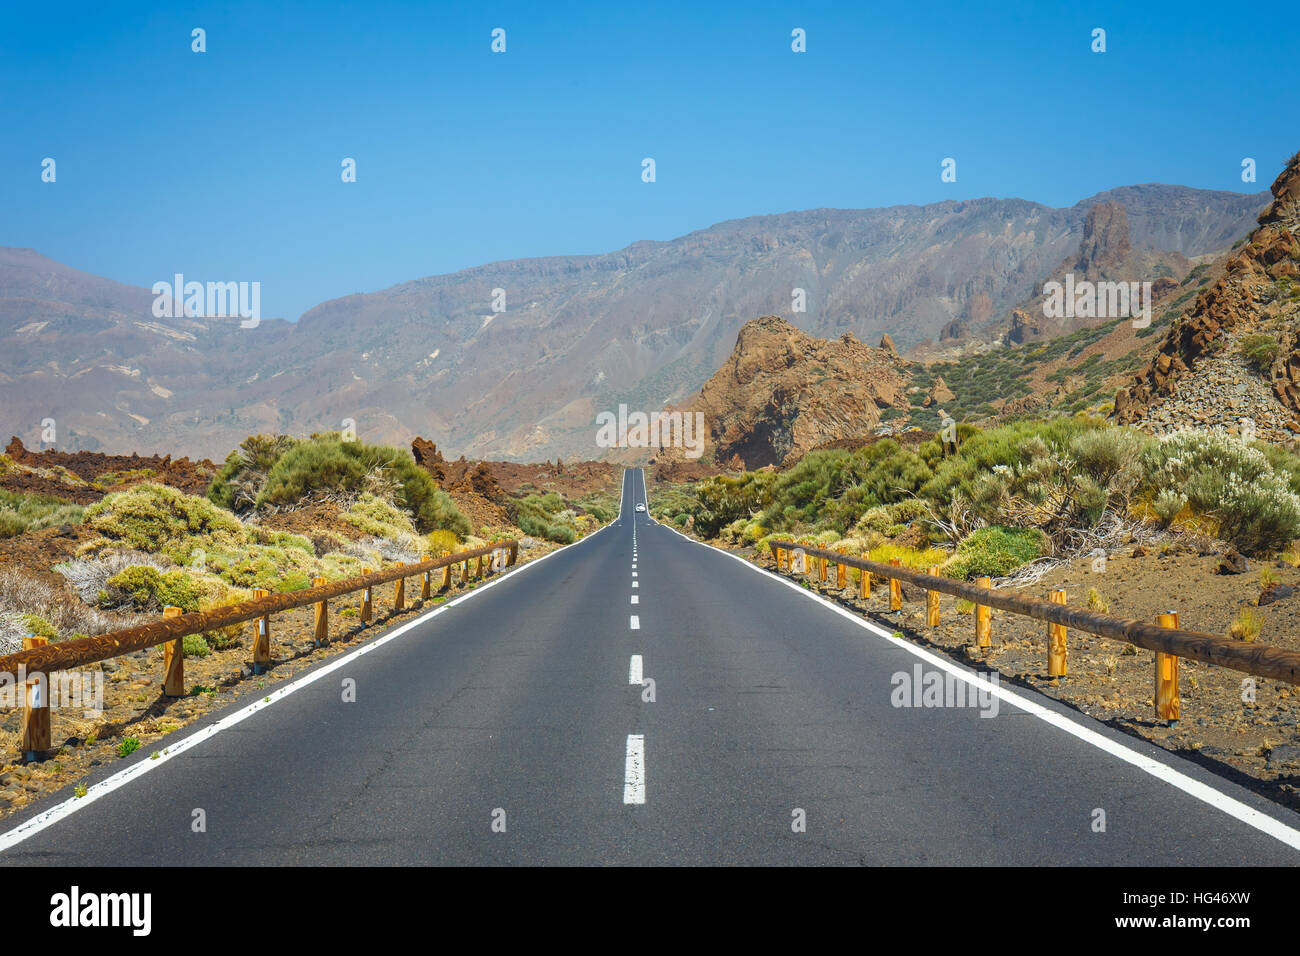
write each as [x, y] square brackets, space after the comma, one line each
[1232, 359]
[645, 325]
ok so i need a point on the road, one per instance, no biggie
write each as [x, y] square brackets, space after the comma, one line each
[511, 726]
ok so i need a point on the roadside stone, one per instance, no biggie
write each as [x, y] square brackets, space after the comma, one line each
[1232, 562]
[1275, 592]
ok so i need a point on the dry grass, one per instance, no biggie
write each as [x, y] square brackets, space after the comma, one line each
[22, 593]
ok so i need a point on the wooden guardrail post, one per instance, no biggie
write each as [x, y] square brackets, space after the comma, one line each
[261, 636]
[446, 578]
[782, 559]
[932, 602]
[399, 591]
[36, 707]
[1056, 641]
[895, 588]
[983, 617]
[1168, 703]
[173, 661]
[514, 554]
[479, 573]
[322, 617]
[841, 574]
[821, 569]
[864, 585]
[367, 603]
[426, 584]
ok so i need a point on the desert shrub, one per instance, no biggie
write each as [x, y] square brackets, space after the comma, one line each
[161, 519]
[1054, 476]
[327, 463]
[145, 588]
[284, 539]
[877, 520]
[241, 479]
[1246, 625]
[58, 604]
[600, 505]
[919, 559]
[376, 517]
[1167, 505]
[908, 510]
[272, 567]
[544, 516]
[39, 627]
[442, 540]
[1260, 350]
[995, 551]
[1230, 480]
[195, 645]
[722, 499]
[30, 512]
[89, 575]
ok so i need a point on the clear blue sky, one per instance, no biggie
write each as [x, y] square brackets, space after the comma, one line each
[225, 165]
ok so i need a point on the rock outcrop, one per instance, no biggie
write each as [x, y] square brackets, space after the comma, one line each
[783, 392]
[1198, 376]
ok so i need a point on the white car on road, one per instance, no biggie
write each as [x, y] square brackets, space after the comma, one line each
[640, 507]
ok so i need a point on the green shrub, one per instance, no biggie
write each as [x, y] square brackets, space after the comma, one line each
[146, 588]
[1230, 480]
[158, 518]
[995, 551]
[20, 512]
[327, 463]
[544, 516]
[40, 627]
[377, 517]
[243, 475]
[1260, 350]
[194, 645]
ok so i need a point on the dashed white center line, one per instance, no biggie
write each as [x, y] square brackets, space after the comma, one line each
[634, 670]
[634, 770]
[635, 599]
[636, 584]
[635, 623]
[633, 574]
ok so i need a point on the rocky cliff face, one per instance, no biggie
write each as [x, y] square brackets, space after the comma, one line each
[783, 392]
[1203, 373]
[1105, 254]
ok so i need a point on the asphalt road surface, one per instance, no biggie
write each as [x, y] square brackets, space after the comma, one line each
[638, 698]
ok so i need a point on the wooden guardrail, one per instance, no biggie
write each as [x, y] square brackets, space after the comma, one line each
[38, 659]
[1164, 638]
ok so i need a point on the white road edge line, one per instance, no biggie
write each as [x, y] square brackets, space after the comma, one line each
[634, 770]
[1161, 771]
[634, 671]
[41, 821]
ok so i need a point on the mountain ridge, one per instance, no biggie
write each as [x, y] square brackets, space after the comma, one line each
[649, 323]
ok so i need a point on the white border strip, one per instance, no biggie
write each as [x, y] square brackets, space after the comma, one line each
[1161, 771]
[41, 821]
